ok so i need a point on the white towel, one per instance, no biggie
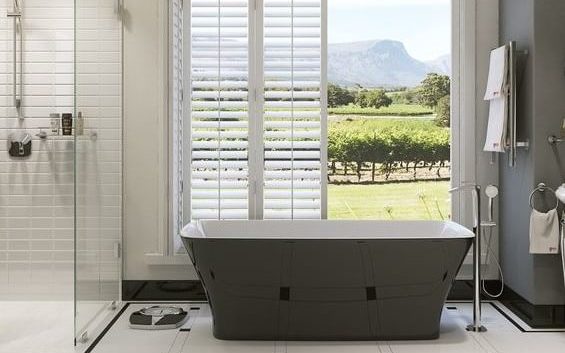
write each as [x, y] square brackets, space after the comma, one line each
[544, 232]
[495, 93]
[496, 130]
[497, 73]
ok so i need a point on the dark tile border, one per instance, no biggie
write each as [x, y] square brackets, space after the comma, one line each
[106, 329]
[536, 316]
[463, 290]
[163, 290]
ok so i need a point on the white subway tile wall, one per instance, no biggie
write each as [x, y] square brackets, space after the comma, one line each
[37, 193]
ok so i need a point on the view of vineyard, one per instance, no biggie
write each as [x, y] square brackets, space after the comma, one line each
[388, 123]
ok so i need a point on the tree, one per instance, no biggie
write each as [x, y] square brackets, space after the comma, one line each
[443, 112]
[376, 98]
[338, 96]
[432, 89]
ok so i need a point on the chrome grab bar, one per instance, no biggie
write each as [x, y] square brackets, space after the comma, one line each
[16, 14]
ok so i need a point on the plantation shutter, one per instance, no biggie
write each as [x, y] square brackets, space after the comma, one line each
[256, 105]
[219, 109]
[292, 110]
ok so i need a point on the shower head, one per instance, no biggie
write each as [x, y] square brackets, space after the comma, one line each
[492, 192]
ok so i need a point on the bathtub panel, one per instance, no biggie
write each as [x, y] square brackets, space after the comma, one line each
[341, 265]
[319, 320]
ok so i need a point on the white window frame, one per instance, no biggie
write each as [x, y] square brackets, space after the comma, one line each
[463, 104]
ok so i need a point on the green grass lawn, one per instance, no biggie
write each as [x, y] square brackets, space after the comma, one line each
[363, 124]
[370, 201]
[392, 110]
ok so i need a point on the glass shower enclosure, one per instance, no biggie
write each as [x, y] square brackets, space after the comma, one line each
[60, 166]
[98, 161]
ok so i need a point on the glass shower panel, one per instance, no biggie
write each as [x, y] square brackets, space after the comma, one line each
[98, 161]
[36, 173]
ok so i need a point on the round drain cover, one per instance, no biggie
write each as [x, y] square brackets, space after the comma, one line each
[158, 317]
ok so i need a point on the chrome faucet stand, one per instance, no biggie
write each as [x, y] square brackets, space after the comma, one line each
[475, 326]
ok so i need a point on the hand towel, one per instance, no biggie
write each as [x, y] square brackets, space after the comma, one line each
[544, 232]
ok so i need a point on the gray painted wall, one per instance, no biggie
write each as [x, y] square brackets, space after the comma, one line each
[539, 27]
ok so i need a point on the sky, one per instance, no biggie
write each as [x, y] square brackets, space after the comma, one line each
[424, 26]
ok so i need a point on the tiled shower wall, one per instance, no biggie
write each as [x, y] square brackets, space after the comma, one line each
[37, 193]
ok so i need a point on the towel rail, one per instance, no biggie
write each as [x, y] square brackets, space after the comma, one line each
[513, 62]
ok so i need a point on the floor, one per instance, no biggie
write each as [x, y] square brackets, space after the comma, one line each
[42, 326]
[502, 337]
[36, 326]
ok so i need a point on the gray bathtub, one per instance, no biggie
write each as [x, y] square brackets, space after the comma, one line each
[326, 280]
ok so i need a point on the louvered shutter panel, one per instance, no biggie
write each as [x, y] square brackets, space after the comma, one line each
[219, 109]
[176, 56]
[292, 111]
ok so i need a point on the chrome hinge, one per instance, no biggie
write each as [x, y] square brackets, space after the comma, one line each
[83, 338]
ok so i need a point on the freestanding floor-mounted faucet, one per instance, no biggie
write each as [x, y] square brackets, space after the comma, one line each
[476, 189]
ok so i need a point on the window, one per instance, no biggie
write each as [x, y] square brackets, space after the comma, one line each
[255, 114]
[389, 73]
[250, 137]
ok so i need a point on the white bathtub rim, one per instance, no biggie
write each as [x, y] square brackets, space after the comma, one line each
[452, 230]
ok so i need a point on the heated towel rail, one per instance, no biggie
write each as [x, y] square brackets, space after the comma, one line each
[516, 62]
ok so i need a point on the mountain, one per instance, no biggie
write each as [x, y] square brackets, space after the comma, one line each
[441, 65]
[378, 63]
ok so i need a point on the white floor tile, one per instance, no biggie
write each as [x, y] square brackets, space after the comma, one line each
[123, 339]
[332, 347]
[201, 340]
[32, 327]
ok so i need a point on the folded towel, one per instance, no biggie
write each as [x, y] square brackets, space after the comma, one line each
[497, 73]
[496, 129]
[544, 232]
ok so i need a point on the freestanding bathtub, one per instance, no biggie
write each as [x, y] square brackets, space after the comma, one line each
[326, 280]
